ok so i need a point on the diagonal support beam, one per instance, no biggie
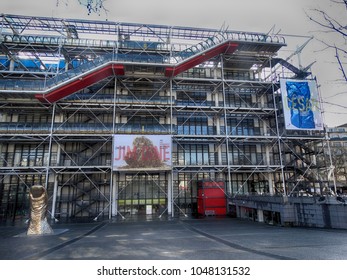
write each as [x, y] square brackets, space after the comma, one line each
[227, 47]
[81, 83]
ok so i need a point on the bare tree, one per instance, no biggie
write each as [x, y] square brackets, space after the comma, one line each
[339, 161]
[330, 24]
[92, 6]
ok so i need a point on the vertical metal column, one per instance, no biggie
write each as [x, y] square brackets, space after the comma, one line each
[279, 139]
[113, 183]
[225, 123]
[113, 188]
[55, 188]
[170, 209]
[170, 192]
[331, 172]
[54, 200]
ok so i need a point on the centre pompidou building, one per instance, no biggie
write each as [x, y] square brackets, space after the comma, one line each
[122, 119]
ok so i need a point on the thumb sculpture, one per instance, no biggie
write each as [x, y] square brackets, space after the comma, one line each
[38, 209]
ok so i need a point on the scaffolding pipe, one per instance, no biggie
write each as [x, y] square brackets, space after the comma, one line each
[170, 173]
[113, 190]
[279, 139]
[55, 189]
[226, 124]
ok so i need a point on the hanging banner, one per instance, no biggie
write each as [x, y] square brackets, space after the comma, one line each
[141, 152]
[301, 105]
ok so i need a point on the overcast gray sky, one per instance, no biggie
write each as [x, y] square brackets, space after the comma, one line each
[288, 16]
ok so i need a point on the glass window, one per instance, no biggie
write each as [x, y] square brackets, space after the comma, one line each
[193, 154]
[193, 125]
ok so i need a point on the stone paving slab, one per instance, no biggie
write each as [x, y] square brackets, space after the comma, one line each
[210, 238]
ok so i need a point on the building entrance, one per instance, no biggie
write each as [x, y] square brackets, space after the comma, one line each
[142, 194]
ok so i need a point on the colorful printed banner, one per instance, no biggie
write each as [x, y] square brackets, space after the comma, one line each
[301, 105]
[141, 152]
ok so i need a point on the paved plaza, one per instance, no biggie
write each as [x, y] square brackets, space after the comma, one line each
[209, 238]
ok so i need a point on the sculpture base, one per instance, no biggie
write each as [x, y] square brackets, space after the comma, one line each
[54, 232]
[39, 228]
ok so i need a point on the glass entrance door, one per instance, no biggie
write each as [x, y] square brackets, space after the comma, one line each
[142, 194]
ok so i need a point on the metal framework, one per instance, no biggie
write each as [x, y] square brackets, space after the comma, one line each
[67, 86]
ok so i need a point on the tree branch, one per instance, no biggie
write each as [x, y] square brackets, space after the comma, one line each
[332, 25]
[95, 6]
[329, 23]
[340, 64]
[344, 2]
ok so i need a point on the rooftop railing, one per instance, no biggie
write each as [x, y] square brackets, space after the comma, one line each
[83, 128]
[118, 57]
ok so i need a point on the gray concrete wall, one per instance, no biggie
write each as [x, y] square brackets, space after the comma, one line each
[327, 212]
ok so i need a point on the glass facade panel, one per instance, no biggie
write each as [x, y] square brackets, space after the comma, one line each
[192, 125]
[143, 194]
[190, 154]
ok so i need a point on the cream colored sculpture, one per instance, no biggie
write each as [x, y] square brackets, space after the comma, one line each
[38, 208]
